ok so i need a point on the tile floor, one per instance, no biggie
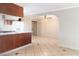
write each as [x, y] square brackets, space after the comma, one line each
[42, 46]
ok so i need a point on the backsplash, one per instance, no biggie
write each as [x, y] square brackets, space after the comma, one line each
[18, 26]
[15, 26]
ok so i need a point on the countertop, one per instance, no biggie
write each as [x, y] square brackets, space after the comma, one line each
[9, 33]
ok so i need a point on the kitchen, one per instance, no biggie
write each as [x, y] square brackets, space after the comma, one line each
[28, 30]
[13, 33]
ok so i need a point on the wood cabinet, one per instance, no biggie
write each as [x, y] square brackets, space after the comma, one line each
[21, 39]
[11, 9]
[8, 42]
[2, 8]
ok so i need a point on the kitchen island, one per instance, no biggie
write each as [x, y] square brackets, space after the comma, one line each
[12, 40]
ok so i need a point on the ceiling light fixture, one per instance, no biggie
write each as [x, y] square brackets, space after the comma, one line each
[45, 18]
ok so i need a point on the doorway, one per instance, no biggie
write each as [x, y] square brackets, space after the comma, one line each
[34, 28]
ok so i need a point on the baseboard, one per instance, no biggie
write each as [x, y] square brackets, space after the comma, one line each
[68, 46]
[13, 50]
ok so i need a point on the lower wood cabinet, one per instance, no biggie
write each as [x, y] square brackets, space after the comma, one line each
[8, 42]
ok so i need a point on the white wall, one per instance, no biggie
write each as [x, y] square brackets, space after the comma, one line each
[69, 27]
[18, 25]
[27, 24]
[48, 27]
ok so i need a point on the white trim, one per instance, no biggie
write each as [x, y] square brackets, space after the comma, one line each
[54, 10]
[65, 8]
[68, 46]
[2, 54]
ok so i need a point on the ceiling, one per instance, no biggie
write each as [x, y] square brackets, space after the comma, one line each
[37, 8]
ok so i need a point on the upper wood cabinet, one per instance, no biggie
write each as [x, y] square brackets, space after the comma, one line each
[11, 9]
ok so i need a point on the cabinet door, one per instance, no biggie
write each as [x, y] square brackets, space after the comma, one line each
[16, 40]
[29, 37]
[6, 43]
[25, 38]
[14, 10]
[19, 39]
[22, 39]
[24, 35]
[2, 8]
[11, 9]
[1, 44]
[19, 11]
